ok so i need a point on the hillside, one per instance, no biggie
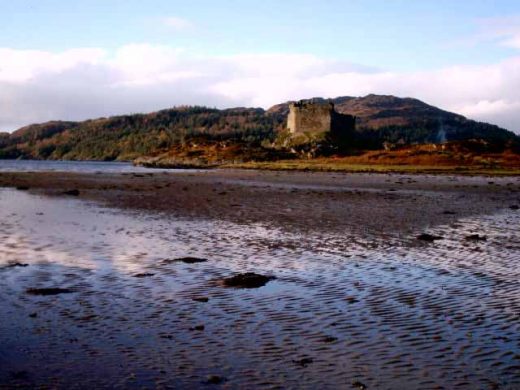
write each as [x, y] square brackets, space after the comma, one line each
[129, 136]
[380, 120]
[405, 121]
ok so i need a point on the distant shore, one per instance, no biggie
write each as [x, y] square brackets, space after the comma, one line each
[341, 165]
[330, 165]
[469, 157]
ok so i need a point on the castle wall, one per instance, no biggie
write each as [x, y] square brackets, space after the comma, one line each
[309, 118]
[342, 124]
[313, 118]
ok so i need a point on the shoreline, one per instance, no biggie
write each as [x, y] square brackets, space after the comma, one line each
[377, 169]
[304, 201]
[332, 165]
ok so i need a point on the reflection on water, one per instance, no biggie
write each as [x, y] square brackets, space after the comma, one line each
[72, 166]
[392, 313]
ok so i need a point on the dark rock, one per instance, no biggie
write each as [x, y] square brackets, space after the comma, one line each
[493, 385]
[74, 192]
[303, 362]
[187, 260]
[33, 315]
[358, 385]
[16, 264]
[409, 300]
[201, 299]
[247, 280]
[448, 212]
[49, 291]
[88, 318]
[329, 339]
[143, 275]
[428, 237]
[198, 328]
[22, 188]
[514, 207]
[476, 237]
[215, 380]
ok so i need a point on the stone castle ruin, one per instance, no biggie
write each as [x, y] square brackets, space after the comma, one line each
[316, 117]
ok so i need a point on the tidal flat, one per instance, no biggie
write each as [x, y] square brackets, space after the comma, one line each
[118, 279]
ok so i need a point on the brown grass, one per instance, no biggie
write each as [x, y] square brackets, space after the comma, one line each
[455, 157]
[448, 158]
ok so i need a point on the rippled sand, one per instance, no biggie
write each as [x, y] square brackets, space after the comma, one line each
[349, 307]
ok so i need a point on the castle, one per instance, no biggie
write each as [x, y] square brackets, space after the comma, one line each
[314, 117]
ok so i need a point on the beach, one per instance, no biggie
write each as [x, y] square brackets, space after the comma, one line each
[377, 281]
[306, 201]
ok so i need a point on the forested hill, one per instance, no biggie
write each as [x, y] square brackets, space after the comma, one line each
[406, 120]
[129, 136]
[380, 119]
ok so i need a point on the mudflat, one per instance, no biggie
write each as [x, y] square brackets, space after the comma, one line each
[258, 279]
[370, 203]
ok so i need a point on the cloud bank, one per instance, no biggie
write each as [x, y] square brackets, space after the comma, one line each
[37, 86]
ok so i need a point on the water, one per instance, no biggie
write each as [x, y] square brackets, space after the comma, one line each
[392, 313]
[71, 166]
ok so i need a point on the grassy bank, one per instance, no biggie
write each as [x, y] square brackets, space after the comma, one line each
[337, 165]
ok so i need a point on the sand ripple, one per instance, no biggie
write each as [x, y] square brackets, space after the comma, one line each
[345, 310]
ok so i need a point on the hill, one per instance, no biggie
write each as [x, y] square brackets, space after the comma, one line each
[239, 133]
[129, 136]
[404, 121]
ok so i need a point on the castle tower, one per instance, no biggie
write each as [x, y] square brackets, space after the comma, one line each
[310, 117]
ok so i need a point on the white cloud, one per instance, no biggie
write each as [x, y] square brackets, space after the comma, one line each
[177, 23]
[144, 63]
[500, 111]
[503, 30]
[21, 65]
[37, 86]
[513, 41]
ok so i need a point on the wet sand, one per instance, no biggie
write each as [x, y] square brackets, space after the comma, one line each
[357, 301]
[365, 203]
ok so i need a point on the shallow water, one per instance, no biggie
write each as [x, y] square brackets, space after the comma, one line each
[387, 312]
[73, 166]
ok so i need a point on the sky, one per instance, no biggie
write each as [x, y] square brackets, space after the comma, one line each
[74, 60]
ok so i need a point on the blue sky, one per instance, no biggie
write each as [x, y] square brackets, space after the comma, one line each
[394, 33]
[227, 52]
